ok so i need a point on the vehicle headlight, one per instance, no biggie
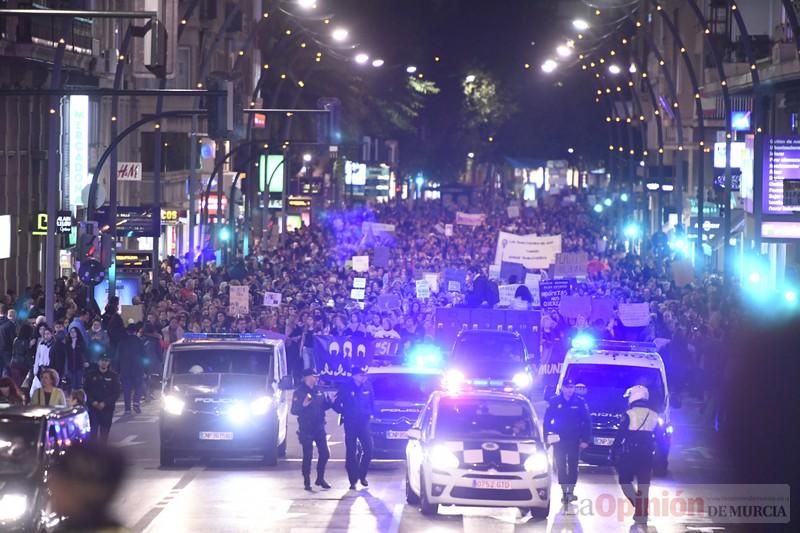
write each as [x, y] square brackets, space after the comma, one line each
[522, 380]
[173, 405]
[238, 412]
[261, 406]
[441, 457]
[453, 380]
[13, 507]
[536, 463]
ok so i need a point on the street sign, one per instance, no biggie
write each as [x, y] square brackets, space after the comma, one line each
[64, 223]
[134, 260]
[132, 221]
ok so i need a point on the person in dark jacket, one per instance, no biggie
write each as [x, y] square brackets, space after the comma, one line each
[309, 405]
[102, 389]
[112, 323]
[76, 359]
[22, 354]
[58, 357]
[567, 426]
[8, 332]
[355, 401]
[633, 450]
[130, 355]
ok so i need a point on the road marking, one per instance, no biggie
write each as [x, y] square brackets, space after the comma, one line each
[153, 513]
[129, 440]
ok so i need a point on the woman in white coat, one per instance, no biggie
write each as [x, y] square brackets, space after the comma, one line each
[42, 358]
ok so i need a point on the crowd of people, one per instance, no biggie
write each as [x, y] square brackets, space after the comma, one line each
[312, 271]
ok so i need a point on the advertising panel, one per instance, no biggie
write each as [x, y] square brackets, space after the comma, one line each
[78, 138]
[781, 163]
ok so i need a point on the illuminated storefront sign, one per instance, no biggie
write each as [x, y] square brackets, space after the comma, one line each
[78, 138]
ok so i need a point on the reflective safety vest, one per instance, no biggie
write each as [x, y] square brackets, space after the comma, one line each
[642, 419]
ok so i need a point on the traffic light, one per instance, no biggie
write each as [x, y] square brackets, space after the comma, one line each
[88, 242]
[220, 109]
[106, 248]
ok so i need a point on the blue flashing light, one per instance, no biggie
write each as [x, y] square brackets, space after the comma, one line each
[607, 202]
[679, 245]
[583, 341]
[598, 208]
[425, 356]
[754, 277]
[632, 231]
[224, 233]
[420, 180]
[623, 197]
[790, 296]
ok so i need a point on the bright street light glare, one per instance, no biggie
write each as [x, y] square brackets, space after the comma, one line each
[580, 24]
[411, 69]
[361, 58]
[307, 158]
[471, 155]
[378, 63]
[570, 150]
[614, 69]
[340, 34]
[563, 51]
[307, 4]
[549, 66]
[470, 78]
[632, 69]
[790, 296]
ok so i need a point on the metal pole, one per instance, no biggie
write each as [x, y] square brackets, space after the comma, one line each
[53, 185]
[194, 160]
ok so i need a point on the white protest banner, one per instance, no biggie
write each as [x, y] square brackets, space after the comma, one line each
[376, 228]
[423, 290]
[272, 299]
[357, 294]
[532, 251]
[512, 211]
[433, 281]
[634, 315]
[494, 271]
[239, 300]
[448, 230]
[129, 172]
[571, 265]
[361, 263]
[507, 294]
[359, 283]
[532, 282]
[453, 286]
[470, 219]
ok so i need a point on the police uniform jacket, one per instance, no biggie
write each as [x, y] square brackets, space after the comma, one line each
[636, 429]
[310, 418]
[101, 387]
[355, 403]
[569, 419]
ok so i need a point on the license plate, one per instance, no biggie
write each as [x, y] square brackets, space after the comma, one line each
[604, 441]
[216, 435]
[491, 484]
[396, 435]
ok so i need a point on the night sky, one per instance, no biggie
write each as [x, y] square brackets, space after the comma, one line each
[553, 112]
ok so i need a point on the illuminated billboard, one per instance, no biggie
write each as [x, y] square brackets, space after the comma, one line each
[78, 139]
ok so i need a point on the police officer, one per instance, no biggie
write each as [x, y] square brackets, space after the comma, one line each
[568, 427]
[102, 387]
[309, 405]
[356, 401]
[633, 449]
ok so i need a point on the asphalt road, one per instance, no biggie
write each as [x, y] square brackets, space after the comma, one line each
[240, 496]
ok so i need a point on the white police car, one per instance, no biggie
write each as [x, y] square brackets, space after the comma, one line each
[607, 369]
[477, 448]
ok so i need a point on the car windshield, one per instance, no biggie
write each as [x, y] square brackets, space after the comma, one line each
[489, 347]
[18, 447]
[484, 418]
[606, 385]
[404, 387]
[221, 360]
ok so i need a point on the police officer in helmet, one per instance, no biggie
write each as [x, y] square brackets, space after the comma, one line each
[355, 401]
[568, 427]
[633, 449]
[309, 404]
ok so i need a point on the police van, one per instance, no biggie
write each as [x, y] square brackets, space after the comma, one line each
[224, 395]
[603, 370]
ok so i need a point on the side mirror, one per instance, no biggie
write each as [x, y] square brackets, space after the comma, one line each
[286, 383]
[675, 402]
[414, 434]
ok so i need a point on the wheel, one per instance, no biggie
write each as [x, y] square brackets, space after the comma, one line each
[540, 513]
[166, 457]
[425, 507]
[411, 497]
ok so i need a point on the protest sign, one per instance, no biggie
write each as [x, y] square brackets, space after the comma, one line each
[359, 283]
[357, 294]
[507, 294]
[571, 265]
[336, 357]
[132, 312]
[634, 315]
[552, 290]
[455, 274]
[532, 251]
[682, 272]
[433, 281]
[532, 282]
[494, 272]
[239, 300]
[272, 299]
[388, 302]
[381, 258]
[361, 263]
[573, 306]
[509, 271]
[470, 219]
[512, 211]
[376, 228]
[602, 309]
[423, 289]
[448, 230]
[453, 286]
